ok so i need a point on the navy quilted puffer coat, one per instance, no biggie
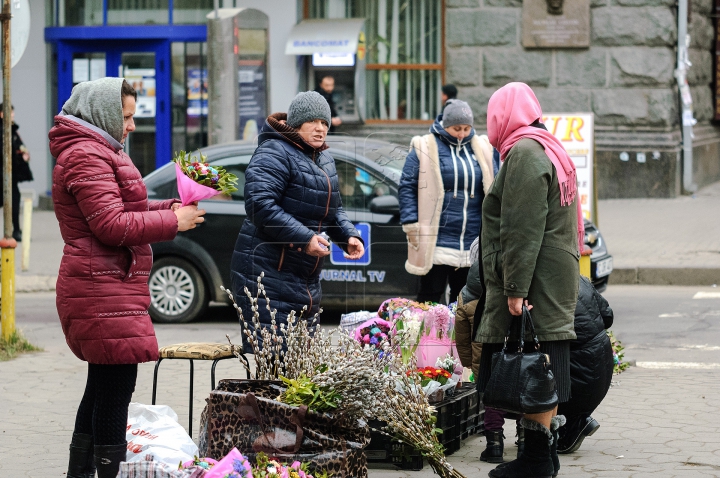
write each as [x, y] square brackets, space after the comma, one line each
[291, 194]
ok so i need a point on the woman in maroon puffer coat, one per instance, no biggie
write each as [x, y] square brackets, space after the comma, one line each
[107, 224]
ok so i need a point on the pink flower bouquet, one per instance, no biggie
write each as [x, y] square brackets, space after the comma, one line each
[198, 180]
[373, 332]
[234, 465]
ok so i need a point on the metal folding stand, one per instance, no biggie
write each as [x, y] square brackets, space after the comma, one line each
[192, 378]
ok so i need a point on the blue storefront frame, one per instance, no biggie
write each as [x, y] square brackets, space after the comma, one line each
[115, 40]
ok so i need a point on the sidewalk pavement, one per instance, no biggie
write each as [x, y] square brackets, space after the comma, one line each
[654, 423]
[664, 241]
[652, 241]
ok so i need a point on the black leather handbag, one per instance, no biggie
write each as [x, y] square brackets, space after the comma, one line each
[521, 382]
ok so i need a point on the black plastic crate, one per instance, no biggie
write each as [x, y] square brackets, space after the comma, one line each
[383, 449]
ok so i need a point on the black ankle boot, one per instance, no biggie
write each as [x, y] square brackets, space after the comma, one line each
[108, 458]
[520, 442]
[81, 463]
[555, 424]
[494, 450]
[574, 432]
[535, 461]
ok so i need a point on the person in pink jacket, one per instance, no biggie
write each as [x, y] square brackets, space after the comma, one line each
[107, 224]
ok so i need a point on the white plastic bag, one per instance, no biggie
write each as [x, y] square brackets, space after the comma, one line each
[154, 430]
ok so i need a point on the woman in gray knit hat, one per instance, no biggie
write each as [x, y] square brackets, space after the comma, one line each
[293, 204]
[442, 217]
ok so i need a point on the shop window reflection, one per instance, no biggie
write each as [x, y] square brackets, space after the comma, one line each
[189, 96]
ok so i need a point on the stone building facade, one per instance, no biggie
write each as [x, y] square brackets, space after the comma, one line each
[626, 78]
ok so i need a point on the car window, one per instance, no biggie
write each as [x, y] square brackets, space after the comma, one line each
[358, 187]
[390, 156]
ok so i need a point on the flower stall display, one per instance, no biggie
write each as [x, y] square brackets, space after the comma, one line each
[359, 381]
[430, 328]
[198, 180]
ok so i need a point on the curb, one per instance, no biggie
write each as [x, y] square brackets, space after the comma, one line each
[35, 283]
[693, 276]
[624, 276]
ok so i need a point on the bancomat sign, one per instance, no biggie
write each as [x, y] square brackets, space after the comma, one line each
[333, 47]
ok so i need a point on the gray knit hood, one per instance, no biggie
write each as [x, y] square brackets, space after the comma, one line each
[98, 102]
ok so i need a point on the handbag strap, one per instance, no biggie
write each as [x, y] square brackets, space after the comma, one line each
[526, 317]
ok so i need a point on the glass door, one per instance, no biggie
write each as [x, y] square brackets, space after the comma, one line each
[138, 68]
[145, 65]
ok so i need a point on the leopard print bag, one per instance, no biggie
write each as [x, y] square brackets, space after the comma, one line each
[244, 414]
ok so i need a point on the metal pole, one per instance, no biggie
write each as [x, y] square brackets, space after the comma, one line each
[687, 120]
[7, 243]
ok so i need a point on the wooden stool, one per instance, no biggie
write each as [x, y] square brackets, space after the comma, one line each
[196, 351]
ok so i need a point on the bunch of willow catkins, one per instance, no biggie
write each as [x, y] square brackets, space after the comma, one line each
[289, 350]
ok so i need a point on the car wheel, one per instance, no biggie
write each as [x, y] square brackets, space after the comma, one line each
[177, 291]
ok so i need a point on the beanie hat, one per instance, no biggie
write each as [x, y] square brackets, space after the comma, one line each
[457, 112]
[308, 106]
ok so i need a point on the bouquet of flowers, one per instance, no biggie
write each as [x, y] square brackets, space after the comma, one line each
[408, 318]
[269, 468]
[618, 354]
[233, 465]
[204, 463]
[374, 332]
[448, 363]
[428, 374]
[197, 180]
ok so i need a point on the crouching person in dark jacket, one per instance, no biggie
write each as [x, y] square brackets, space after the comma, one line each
[292, 197]
[591, 367]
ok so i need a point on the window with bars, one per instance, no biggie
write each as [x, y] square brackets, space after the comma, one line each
[405, 61]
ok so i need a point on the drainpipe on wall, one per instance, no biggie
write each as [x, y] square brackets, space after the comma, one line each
[683, 63]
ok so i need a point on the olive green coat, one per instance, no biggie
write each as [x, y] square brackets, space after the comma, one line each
[529, 247]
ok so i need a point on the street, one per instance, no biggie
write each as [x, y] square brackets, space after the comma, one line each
[657, 419]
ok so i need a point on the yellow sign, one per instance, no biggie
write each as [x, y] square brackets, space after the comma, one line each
[576, 133]
[361, 46]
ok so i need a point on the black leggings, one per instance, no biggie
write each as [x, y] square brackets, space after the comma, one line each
[103, 411]
[435, 282]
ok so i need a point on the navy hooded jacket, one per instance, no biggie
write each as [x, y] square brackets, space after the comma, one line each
[462, 180]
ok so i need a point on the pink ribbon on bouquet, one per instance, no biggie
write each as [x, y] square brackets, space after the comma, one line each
[190, 191]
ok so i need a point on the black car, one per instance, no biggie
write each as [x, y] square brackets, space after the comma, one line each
[188, 271]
